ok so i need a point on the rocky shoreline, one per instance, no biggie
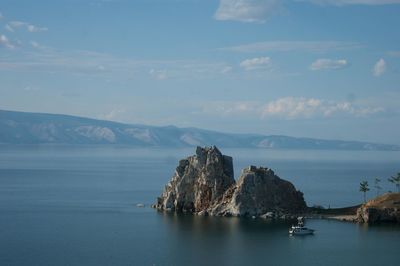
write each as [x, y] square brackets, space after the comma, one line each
[204, 184]
[382, 209]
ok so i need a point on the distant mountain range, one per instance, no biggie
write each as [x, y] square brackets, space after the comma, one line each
[38, 128]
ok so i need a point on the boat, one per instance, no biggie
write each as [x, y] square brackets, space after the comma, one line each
[300, 229]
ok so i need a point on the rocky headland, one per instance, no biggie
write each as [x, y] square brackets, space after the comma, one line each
[382, 209]
[204, 184]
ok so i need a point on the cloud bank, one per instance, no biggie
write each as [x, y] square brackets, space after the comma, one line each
[246, 10]
[14, 25]
[324, 64]
[288, 46]
[291, 108]
[259, 11]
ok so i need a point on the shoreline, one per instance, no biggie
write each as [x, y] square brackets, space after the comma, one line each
[345, 214]
[352, 218]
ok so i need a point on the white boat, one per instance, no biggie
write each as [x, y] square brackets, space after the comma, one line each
[300, 229]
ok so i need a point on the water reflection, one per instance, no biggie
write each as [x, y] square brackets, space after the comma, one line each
[221, 225]
[222, 239]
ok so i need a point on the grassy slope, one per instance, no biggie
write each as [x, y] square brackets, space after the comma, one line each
[387, 200]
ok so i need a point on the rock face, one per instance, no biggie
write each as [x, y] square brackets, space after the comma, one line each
[259, 191]
[385, 208]
[199, 181]
[204, 184]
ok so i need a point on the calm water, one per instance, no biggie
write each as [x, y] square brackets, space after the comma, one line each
[76, 206]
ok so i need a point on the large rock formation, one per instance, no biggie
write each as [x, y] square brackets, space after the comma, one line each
[385, 208]
[199, 181]
[204, 184]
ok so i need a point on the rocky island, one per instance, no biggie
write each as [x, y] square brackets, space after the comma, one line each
[204, 184]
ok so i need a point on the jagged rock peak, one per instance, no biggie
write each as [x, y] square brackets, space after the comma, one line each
[198, 182]
[258, 170]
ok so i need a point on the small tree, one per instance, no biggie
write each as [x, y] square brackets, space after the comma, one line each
[377, 186]
[364, 188]
[396, 181]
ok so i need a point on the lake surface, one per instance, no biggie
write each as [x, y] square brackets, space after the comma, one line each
[66, 205]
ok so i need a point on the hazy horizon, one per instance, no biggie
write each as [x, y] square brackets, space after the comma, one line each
[311, 68]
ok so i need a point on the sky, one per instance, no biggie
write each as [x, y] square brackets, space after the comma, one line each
[305, 68]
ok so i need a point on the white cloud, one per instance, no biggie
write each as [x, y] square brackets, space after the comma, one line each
[226, 69]
[260, 10]
[287, 46]
[322, 63]
[17, 24]
[225, 108]
[33, 28]
[379, 68]
[13, 25]
[9, 28]
[106, 66]
[256, 63]
[39, 46]
[35, 44]
[246, 10]
[4, 41]
[113, 115]
[352, 2]
[292, 108]
[159, 74]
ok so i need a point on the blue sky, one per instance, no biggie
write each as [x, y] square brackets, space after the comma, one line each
[312, 68]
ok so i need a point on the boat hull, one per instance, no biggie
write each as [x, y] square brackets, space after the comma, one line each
[301, 233]
[300, 230]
